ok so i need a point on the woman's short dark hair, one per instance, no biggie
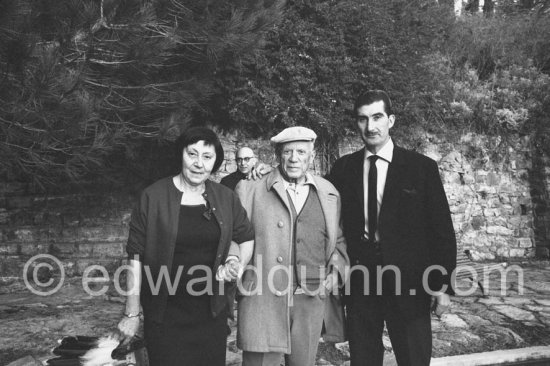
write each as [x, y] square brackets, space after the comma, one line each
[193, 135]
[373, 96]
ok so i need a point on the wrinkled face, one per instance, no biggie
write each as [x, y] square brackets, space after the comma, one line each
[198, 162]
[295, 158]
[245, 160]
[374, 125]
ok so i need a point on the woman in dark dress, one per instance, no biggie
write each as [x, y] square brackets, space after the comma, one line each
[188, 240]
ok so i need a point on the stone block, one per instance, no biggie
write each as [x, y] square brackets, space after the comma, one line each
[515, 252]
[100, 234]
[476, 211]
[527, 233]
[478, 222]
[85, 250]
[481, 242]
[9, 249]
[493, 179]
[458, 208]
[506, 210]
[481, 179]
[503, 252]
[24, 235]
[514, 312]
[103, 250]
[488, 212]
[63, 249]
[499, 230]
[514, 222]
[111, 265]
[524, 243]
[500, 221]
[31, 249]
[493, 202]
[66, 234]
[468, 179]
[506, 189]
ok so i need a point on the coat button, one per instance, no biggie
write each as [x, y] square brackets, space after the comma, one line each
[280, 259]
[280, 224]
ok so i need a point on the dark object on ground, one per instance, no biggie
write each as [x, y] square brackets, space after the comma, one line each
[71, 349]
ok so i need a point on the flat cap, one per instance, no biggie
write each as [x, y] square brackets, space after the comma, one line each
[296, 133]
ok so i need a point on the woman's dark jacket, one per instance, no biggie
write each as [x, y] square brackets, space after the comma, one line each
[152, 237]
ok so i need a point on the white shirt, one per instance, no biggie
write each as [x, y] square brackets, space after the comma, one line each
[382, 164]
[298, 192]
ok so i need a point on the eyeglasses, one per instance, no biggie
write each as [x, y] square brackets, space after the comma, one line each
[240, 160]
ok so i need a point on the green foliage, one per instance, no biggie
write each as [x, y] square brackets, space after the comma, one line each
[90, 85]
[493, 76]
[324, 54]
[86, 81]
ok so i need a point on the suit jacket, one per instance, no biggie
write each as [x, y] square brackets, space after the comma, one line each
[414, 224]
[232, 179]
[263, 324]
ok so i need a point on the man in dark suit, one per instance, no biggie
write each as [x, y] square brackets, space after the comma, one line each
[246, 160]
[401, 240]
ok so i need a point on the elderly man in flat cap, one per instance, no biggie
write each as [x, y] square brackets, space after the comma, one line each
[290, 286]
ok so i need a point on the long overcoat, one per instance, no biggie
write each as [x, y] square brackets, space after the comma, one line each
[263, 313]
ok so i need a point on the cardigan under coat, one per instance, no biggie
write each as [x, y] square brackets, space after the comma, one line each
[263, 319]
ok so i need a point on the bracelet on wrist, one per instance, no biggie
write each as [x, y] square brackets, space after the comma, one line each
[130, 315]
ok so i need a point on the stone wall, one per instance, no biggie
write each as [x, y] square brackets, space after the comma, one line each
[489, 194]
[78, 229]
[490, 200]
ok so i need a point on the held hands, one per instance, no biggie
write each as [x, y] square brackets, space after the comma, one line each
[231, 271]
[129, 326]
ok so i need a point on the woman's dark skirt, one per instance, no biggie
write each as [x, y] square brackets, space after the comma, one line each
[181, 342]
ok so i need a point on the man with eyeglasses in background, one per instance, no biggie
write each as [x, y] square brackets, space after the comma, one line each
[245, 162]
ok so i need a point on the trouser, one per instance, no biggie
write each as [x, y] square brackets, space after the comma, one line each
[407, 319]
[306, 322]
[411, 338]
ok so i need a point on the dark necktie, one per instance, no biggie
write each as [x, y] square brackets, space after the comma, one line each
[372, 205]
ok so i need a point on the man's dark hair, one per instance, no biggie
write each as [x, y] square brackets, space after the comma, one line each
[195, 134]
[372, 96]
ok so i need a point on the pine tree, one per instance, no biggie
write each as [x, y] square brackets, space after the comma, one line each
[83, 81]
